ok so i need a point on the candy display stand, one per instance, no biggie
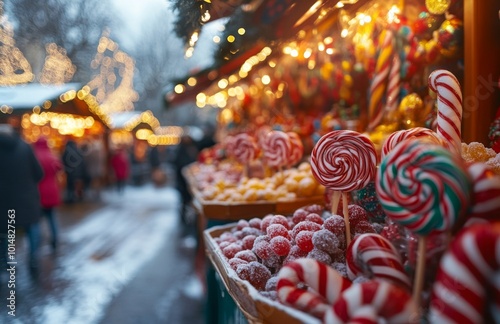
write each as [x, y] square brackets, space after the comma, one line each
[255, 307]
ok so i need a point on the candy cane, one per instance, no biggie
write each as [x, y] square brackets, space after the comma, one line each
[374, 252]
[325, 285]
[378, 85]
[394, 84]
[467, 277]
[401, 135]
[485, 192]
[449, 111]
[373, 302]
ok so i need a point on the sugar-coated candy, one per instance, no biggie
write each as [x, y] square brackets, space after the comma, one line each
[273, 295]
[363, 227]
[373, 302]
[231, 250]
[320, 256]
[224, 244]
[241, 224]
[373, 255]
[299, 215]
[259, 275]
[255, 223]
[304, 240]
[280, 245]
[274, 230]
[235, 262]
[250, 231]
[326, 241]
[325, 286]
[272, 283]
[263, 250]
[315, 218]
[280, 219]
[246, 255]
[265, 222]
[248, 241]
[356, 215]
[467, 279]
[305, 226]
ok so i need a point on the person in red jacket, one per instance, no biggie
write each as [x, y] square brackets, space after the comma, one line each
[120, 164]
[50, 196]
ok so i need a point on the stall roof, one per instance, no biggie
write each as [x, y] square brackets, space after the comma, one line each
[67, 98]
[27, 96]
[133, 120]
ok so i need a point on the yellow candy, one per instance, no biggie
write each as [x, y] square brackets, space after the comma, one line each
[307, 187]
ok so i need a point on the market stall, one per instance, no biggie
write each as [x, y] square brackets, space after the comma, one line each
[53, 111]
[384, 99]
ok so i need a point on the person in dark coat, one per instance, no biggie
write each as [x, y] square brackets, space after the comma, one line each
[74, 168]
[187, 153]
[20, 173]
[49, 186]
[121, 167]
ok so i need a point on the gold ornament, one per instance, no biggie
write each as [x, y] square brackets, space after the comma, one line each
[437, 7]
[412, 112]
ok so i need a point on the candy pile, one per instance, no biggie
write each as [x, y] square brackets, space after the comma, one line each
[286, 185]
[257, 249]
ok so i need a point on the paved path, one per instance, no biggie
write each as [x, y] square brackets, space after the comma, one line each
[120, 261]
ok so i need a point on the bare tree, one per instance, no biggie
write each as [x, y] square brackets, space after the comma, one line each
[74, 25]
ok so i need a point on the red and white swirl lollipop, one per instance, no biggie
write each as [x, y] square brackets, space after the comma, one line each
[401, 135]
[376, 255]
[325, 285]
[343, 160]
[449, 107]
[229, 143]
[277, 148]
[467, 278]
[245, 148]
[373, 302]
[297, 148]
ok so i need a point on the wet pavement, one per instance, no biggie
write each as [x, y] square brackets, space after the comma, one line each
[120, 260]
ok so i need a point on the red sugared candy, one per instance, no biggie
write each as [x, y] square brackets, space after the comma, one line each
[241, 224]
[265, 222]
[305, 226]
[255, 223]
[304, 240]
[275, 230]
[231, 250]
[363, 227]
[315, 218]
[235, 262]
[247, 242]
[280, 219]
[318, 209]
[246, 255]
[299, 215]
[357, 214]
[280, 245]
[263, 250]
[320, 256]
[326, 241]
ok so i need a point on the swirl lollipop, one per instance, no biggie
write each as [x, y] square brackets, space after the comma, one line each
[343, 160]
[277, 148]
[449, 107]
[425, 188]
[297, 148]
[229, 143]
[245, 149]
[399, 136]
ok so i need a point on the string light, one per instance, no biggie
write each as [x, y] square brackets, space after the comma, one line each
[58, 68]
[14, 68]
[114, 65]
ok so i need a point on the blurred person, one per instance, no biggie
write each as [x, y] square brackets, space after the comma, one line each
[20, 173]
[95, 161]
[187, 153]
[121, 168]
[75, 170]
[50, 196]
[208, 138]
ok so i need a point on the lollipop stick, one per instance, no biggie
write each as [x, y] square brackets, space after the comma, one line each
[418, 281]
[345, 210]
[335, 202]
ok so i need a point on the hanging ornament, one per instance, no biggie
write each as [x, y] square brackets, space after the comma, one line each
[426, 24]
[449, 37]
[437, 7]
[411, 111]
